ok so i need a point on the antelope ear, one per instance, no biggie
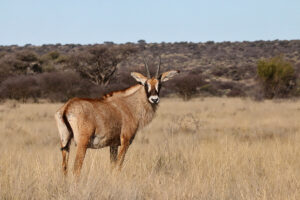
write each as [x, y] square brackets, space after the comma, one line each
[168, 75]
[139, 77]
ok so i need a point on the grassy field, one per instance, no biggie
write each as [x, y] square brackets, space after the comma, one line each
[211, 148]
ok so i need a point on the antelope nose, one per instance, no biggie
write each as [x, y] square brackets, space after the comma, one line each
[155, 99]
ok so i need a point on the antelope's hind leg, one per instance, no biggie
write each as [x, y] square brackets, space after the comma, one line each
[65, 140]
[65, 159]
[85, 133]
[80, 154]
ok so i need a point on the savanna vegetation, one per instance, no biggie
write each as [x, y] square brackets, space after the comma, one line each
[277, 77]
[58, 72]
[205, 148]
[211, 148]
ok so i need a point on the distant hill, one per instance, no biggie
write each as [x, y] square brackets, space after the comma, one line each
[220, 64]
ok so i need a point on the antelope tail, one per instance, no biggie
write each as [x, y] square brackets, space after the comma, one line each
[67, 124]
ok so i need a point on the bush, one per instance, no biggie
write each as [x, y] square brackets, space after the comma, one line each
[5, 70]
[277, 77]
[54, 55]
[27, 56]
[20, 88]
[55, 86]
[187, 86]
[61, 86]
[228, 88]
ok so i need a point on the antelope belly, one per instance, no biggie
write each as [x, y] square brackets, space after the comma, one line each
[98, 141]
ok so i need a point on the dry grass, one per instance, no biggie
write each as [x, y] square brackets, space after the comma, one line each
[212, 148]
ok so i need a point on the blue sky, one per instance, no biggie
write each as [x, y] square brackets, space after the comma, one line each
[89, 21]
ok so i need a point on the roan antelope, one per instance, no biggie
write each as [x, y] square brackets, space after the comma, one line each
[110, 121]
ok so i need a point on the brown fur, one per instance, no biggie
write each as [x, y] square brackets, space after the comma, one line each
[110, 121]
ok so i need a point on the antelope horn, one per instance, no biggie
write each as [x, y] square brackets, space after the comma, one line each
[158, 68]
[147, 69]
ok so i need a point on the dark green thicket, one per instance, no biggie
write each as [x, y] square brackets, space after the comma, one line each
[277, 77]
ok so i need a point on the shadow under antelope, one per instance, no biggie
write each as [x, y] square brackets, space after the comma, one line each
[110, 121]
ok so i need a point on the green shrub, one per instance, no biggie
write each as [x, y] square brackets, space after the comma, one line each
[54, 55]
[27, 56]
[277, 77]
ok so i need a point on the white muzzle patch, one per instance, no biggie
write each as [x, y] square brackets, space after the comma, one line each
[153, 99]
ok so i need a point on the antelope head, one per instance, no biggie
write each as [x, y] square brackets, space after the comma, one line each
[153, 85]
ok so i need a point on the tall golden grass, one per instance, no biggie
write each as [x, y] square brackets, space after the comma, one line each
[211, 148]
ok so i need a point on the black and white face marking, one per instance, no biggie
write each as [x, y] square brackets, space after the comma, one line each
[152, 85]
[152, 88]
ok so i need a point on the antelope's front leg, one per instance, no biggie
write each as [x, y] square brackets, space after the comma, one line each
[113, 155]
[123, 149]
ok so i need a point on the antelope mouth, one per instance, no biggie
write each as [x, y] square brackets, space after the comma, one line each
[154, 99]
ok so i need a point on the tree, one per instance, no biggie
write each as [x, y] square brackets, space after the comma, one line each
[99, 63]
[277, 76]
[142, 42]
[188, 85]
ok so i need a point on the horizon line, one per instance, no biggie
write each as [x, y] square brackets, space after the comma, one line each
[137, 42]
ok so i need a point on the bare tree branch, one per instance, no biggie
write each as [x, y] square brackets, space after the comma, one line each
[99, 63]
